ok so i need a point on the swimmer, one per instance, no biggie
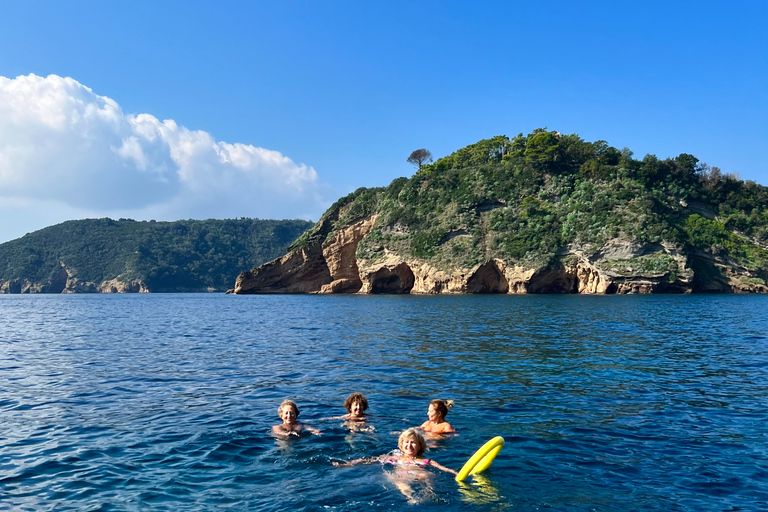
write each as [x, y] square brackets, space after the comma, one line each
[436, 413]
[408, 461]
[289, 412]
[356, 405]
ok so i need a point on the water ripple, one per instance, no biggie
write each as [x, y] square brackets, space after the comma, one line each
[165, 402]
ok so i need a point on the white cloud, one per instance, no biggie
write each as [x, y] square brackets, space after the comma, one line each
[60, 143]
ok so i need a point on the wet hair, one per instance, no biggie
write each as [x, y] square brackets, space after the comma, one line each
[413, 433]
[355, 397]
[442, 406]
[288, 403]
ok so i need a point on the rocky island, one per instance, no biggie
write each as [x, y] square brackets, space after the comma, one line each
[542, 213]
[128, 256]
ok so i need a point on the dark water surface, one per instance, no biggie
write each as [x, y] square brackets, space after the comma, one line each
[165, 402]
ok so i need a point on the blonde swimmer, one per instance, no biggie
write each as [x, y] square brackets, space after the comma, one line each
[408, 462]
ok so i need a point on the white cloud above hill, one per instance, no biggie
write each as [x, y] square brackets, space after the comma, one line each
[65, 149]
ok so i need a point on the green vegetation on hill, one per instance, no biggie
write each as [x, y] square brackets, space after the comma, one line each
[527, 198]
[166, 256]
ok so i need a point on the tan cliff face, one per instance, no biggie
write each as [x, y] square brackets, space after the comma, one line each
[339, 254]
[115, 286]
[330, 267]
[300, 271]
[334, 267]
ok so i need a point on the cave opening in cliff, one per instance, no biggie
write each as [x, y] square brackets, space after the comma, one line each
[553, 280]
[57, 282]
[399, 279]
[487, 279]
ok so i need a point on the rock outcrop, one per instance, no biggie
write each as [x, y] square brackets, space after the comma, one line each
[717, 273]
[329, 267]
[543, 213]
[339, 256]
[300, 271]
[65, 280]
[19, 286]
[333, 267]
[116, 286]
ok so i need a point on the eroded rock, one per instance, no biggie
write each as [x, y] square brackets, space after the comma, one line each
[339, 255]
[300, 271]
[618, 267]
[487, 278]
[330, 267]
[388, 278]
[116, 286]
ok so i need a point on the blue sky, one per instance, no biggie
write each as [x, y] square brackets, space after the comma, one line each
[172, 110]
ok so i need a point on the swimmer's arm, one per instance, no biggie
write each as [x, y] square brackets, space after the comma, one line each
[283, 433]
[344, 417]
[313, 430]
[441, 467]
[364, 460]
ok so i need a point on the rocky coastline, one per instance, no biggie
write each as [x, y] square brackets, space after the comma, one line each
[332, 267]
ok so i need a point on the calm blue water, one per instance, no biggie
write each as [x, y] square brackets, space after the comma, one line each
[165, 402]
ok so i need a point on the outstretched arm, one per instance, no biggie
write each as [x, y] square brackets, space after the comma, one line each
[441, 467]
[364, 460]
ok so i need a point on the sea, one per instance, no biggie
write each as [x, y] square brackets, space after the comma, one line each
[165, 402]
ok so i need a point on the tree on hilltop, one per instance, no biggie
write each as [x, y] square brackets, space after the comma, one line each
[419, 158]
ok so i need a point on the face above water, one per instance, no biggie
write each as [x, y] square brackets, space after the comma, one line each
[433, 414]
[409, 446]
[288, 415]
[356, 409]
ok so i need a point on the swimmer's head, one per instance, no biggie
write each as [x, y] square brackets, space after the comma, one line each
[415, 434]
[287, 403]
[441, 406]
[355, 398]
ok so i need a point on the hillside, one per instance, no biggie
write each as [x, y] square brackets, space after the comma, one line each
[542, 213]
[105, 255]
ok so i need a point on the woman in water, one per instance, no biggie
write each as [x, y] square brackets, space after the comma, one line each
[289, 412]
[436, 413]
[408, 461]
[356, 405]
